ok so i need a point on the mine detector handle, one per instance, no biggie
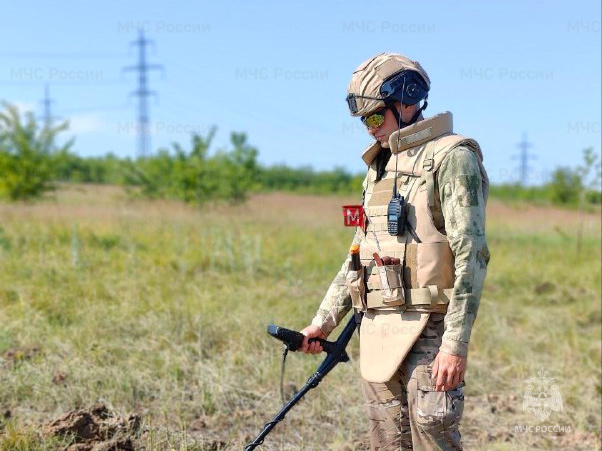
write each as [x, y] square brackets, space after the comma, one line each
[337, 354]
[293, 339]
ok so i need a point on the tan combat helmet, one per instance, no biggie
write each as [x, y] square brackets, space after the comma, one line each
[385, 79]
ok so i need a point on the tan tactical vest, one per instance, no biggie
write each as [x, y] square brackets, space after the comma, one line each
[427, 269]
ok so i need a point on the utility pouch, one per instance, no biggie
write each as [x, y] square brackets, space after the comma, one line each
[357, 288]
[391, 282]
[437, 411]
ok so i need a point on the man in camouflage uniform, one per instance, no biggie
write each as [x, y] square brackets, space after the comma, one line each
[417, 319]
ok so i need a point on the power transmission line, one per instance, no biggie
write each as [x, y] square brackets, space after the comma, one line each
[58, 82]
[61, 55]
[143, 93]
[90, 109]
[524, 157]
[48, 118]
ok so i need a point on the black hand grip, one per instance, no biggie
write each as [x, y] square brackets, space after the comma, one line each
[294, 339]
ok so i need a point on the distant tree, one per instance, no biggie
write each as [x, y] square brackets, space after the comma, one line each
[25, 154]
[195, 176]
[590, 174]
[566, 186]
[69, 167]
[239, 167]
[591, 171]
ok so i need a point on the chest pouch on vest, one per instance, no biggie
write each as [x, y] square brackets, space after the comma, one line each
[391, 282]
[355, 281]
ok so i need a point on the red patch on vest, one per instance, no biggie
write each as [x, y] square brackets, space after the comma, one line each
[353, 216]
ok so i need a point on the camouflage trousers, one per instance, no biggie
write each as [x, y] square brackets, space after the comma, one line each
[406, 412]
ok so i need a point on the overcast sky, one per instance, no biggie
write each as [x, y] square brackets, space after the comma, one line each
[279, 72]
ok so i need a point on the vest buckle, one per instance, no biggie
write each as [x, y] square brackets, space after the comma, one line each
[429, 164]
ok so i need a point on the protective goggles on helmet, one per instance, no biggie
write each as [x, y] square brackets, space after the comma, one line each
[375, 119]
[352, 103]
[407, 87]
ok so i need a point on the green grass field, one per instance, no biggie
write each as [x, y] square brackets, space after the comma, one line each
[159, 309]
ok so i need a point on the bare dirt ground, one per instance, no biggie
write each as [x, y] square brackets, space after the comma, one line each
[95, 429]
[537, 218]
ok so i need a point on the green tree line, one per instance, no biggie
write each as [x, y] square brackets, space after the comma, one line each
[31, 162]
[577, 187]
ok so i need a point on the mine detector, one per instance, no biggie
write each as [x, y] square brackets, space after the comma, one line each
[335, 353]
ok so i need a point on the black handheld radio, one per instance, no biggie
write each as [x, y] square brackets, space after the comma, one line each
[396, 211]
[396, 215]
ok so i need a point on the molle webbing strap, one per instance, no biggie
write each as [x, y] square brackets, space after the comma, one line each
[429, 298]
[410, 265]
[383, 190]
[380, 210]
[408, 184]
[428, 166]
[367, 255]
[372, 227]
[429, 295]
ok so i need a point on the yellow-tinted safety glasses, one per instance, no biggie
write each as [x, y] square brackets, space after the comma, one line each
[375, 119]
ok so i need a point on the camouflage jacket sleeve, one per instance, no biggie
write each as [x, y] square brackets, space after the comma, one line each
[463, 207]
[336, 302]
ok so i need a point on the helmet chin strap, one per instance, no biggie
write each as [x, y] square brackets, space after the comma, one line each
[402, 124]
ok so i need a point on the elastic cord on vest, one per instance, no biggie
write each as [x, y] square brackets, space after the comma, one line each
[395, 181]
[399, 124]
